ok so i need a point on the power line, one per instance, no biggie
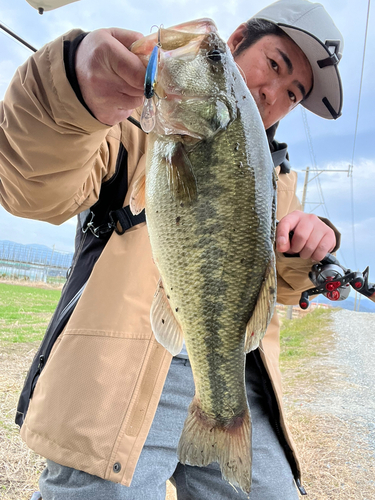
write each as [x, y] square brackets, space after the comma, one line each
[360, 84]
[355, 135]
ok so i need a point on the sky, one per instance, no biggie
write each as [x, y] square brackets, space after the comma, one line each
[312, 141]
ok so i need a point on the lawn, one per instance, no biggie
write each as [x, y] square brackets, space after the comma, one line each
[303, 338]
[25, 312]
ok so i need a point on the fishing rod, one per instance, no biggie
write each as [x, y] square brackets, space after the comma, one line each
[18, 38]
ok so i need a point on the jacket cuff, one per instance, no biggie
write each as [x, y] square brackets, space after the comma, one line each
[67, 108]
[70, 49]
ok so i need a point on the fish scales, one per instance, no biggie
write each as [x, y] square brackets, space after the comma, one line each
[217, 254]
[212, 244]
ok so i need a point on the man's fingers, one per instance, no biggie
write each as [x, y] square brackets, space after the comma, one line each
[110, 77]
[303, 232]
[325, 246]
[284, 227]
[127, 65]
[117, 107]
[126, 37]
[311, 245]
[311, 238]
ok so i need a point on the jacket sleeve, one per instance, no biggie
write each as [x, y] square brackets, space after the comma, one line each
[292, 272]
[54, 154]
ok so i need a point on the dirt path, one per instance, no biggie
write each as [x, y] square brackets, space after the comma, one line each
[330, 403]
[354, 359]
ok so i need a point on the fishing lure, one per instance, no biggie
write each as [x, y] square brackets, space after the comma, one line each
[148, 117]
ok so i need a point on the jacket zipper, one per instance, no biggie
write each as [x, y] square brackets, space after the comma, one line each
[60, 323]
[67, 309]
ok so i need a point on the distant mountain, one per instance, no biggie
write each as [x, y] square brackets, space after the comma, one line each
[33, 254]
[10, 244]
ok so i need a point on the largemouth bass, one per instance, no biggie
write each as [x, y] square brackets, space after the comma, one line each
[209, 194]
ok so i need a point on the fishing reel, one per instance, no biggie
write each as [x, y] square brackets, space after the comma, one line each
[334, 281]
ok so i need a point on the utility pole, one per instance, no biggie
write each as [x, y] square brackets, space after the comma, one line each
[305, 188]
[318, 172]
[289, 311]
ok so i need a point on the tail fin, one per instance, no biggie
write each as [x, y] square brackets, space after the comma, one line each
[204, 440]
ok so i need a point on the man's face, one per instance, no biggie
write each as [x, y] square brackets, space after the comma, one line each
[277, 74]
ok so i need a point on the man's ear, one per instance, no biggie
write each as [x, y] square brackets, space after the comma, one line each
[236, 37]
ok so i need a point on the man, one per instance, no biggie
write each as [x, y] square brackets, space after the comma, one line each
[107, 402]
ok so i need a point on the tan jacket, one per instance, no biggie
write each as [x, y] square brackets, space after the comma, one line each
[97, 395]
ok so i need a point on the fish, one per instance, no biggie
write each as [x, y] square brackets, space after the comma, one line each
[209, 192]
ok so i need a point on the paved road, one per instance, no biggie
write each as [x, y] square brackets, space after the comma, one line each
[352, 395]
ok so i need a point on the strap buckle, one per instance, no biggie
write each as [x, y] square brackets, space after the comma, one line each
[90, 225]
[334, 56]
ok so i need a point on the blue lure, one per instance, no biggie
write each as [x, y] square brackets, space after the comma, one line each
[148, 117]
[151, 73]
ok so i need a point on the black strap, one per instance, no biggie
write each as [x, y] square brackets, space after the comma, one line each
[112, 195]
[123, 219]
[119, 220]
[331, 60]
[135, 122]
[328, 105]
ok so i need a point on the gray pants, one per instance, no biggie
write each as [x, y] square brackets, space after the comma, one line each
[272, 477]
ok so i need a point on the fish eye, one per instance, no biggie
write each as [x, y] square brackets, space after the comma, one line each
[215, 55]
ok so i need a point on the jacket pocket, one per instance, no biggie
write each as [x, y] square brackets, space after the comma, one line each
[82, 397]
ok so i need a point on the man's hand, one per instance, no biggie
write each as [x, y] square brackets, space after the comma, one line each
[110, 77]
[311, 237]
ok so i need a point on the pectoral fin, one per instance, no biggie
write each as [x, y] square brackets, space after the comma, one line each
[181, 179]
[258, 323]
[137, 198]
[166, 328]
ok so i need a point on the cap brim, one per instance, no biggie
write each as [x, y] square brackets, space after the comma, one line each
[326, 96]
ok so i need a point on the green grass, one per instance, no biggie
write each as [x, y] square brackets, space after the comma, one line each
[302, 338]
[25, 312]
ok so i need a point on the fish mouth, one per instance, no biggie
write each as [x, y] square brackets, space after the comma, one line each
[180, 110]
[173, 38]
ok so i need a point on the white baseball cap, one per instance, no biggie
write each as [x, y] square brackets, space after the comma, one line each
[312, 29]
